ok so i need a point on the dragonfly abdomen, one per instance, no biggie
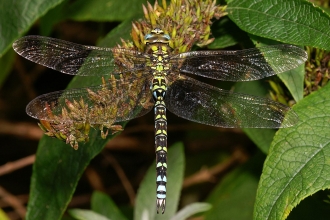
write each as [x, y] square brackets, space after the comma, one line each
[159, 88]
[161, 153]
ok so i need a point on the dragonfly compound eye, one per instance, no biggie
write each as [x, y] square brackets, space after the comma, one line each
[148, 36]
[167, 36]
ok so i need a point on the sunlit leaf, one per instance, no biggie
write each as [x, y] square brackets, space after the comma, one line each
[298, 164]
[18, 16]
[81, 214]
[290, 21]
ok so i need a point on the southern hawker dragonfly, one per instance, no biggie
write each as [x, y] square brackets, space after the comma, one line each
[156, 79]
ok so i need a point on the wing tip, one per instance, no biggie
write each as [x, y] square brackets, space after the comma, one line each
[290, 119]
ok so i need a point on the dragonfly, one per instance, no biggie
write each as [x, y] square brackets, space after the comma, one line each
[158, 79]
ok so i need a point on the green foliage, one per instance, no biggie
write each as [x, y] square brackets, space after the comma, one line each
[237, 189]
[56, 172]
[18, 16]
[104, 208]
[226, 34]
[6, 63]
[86, 215]
[85, 10]
[298, 162]
[103, 204]
[294, 21]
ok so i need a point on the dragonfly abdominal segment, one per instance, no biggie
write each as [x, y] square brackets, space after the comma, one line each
[133, 82]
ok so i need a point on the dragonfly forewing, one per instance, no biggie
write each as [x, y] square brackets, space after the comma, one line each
[241, 65]
[202, 103]
[76, 59]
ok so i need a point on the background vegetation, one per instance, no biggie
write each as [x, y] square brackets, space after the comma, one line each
[249, 174]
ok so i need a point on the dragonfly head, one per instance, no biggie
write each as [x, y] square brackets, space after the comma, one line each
[157, 35]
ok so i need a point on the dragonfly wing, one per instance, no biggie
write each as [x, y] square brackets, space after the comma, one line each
[112, 102]
[202, 103]
[241, 65]
[76, 59]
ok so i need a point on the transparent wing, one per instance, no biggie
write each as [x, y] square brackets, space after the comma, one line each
[202, 103]
[70, 58]
[241, 65]
[111, 102]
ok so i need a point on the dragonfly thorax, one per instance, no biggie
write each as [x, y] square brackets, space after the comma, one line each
[157, 45]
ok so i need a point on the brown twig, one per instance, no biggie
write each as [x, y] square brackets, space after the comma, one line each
[13, 201]
[22, 130]
[179, 127]
[123, 178]
[18, 164]
[94, 179]
[121, 142]
[80, 200]
[23, 198]
[126, 143]
[208, 175]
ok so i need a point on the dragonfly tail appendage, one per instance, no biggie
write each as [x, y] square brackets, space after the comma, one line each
[161, 154]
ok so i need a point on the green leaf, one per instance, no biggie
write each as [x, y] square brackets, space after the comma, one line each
[298, 164]
[67, 217]
[56, 172]
[104, 10]
[226, 34]
[103, 204]
[114, 37]
[191, 209]
[3, 215]
[290, 21]
[16, 17]
[58, 167]
[85, 10]
[6, 63]
[260, 136]
[146, 198]
[86, 215]
[52, 17]
[234, 197]
[293, 79]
